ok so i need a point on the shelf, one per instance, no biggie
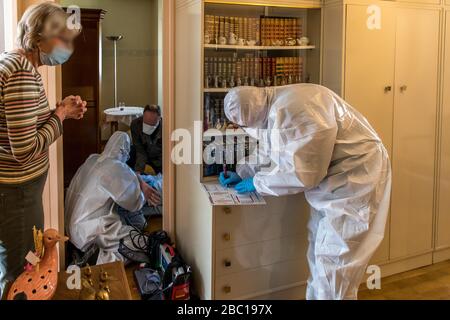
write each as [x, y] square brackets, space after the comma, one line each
[211, 133]
[216, 90]
[232, 47]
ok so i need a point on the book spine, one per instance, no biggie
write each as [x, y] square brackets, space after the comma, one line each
[227, 27]
[245, 29]
[258, 31]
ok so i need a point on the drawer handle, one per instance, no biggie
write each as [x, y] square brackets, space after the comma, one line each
[403, 88]
[227, 289]
[227, 237]
[388, 89]
[227, 210]
[227, 263]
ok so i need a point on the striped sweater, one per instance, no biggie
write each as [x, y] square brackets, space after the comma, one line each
[27, 125]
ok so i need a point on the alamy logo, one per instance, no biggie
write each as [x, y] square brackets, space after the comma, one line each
[74, 20]
[74, 280]
[374, 280]
[374, 19]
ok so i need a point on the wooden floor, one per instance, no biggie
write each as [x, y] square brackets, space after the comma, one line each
[428, 283]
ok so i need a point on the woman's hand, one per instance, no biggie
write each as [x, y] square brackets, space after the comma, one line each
[72, 107]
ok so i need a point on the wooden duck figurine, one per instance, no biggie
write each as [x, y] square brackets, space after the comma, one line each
[40, 282]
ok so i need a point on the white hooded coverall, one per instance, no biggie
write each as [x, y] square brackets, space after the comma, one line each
[101, 183]
[329, 151]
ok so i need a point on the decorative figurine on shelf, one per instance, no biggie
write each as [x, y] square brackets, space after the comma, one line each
[232, 83]
[207, 81]
[290, 80]
[303, 41]
[222, 41]
[277, 43]
[291, 42]
[40, 278]
[261, 82]
[207, 39]
[233, 39]
[216, 82]
[218, 125]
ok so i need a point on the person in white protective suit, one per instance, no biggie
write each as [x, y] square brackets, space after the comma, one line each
[101, 184]
[329, 151]
[2, 270]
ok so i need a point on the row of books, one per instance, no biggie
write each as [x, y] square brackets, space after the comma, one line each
[275, 31]
[228, 72]
[214, 114]
[266, 31]
[217, 27]
[217, 155]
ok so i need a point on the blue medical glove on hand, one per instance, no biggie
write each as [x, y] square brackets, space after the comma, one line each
[246, 186]
[232, 179]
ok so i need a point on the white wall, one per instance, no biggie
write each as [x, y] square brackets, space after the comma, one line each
[137, 21]
[2, 27]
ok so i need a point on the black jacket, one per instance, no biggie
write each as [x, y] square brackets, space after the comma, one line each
[148, 148]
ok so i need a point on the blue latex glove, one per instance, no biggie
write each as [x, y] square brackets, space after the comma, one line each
[233, 178]
[246, 186]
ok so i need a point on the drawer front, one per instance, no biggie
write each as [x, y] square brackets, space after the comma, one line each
[251, 283]
[252, 256]
[281, 217]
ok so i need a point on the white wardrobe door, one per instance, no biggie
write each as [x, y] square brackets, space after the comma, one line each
[414, 145]
[369, 77]
[443, 220]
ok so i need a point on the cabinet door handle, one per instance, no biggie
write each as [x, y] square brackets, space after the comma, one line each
[227, 210]
[227, 237]
[387, 89]
[227, 263]
[227, 289]
[403, 88]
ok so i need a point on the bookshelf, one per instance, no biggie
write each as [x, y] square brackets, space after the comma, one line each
[251, 45]
[236, 47]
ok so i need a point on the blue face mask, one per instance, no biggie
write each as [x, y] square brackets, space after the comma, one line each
[58, 56]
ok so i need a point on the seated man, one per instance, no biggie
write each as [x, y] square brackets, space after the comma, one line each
[102, 184]
[146, 132]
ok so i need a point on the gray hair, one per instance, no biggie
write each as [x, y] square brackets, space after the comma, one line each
[40, 22]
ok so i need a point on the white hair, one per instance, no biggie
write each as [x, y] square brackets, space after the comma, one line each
[40, 22]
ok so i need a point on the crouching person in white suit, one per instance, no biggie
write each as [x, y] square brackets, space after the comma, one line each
[103, 183]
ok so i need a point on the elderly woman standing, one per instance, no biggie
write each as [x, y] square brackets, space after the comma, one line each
[28, 126]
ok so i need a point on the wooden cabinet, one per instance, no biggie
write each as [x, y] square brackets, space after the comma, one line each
[375, 80]
[390, 73]
[415, 110]
[81, 75]
[260, 250]
[370, 86]
[422, 1]
[443, 212]
[247, 251]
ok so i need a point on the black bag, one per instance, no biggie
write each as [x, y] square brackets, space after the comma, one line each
[146, 248]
